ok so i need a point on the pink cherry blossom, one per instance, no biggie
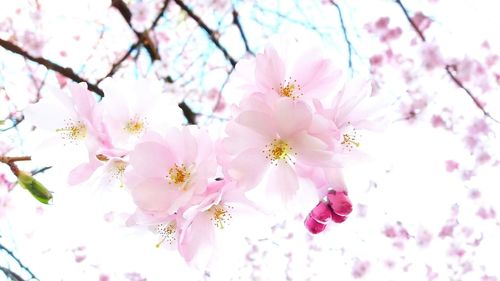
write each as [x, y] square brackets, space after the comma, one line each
[129, 115]
[167, 171]
[291, 69]
[223, 211]
[273, 139]
[72, 128]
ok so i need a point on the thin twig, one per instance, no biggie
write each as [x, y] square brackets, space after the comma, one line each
[344, 31]
[65, 71]
[236, 21]
[18, 262]
[11, 274]
[448, 68]
[143, 37]
[118, 63]
[211, 34]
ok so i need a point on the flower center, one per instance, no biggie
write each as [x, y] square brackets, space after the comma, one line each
[290, 89]
[134, 126]
[350, 138]
[277, 150]
[74, 131]
[167, 232]
[178, 174]
[220, 215]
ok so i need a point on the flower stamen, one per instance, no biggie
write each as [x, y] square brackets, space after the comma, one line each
[134, 126]
[220, 215]
[179, 175]
[167, 232]
[74, 131]
[277, 150]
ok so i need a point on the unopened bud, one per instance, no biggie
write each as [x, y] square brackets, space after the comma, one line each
[322, 212]
[36, 189]
[313, 225]
[339, 202]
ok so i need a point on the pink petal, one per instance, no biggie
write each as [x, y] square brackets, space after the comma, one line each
[156, 195]
[283, 182]
[151, 159]
[291, 117]
[269, 69]
[82, 172]
[257, 121]
[248, 167]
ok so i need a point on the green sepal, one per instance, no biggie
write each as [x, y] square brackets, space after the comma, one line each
[36, 189]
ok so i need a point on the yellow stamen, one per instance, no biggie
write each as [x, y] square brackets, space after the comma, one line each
[278, 150]
[134, 126]
[178, 174]
[74, 131]
[220, 215]
[167, 232]
[290, 89]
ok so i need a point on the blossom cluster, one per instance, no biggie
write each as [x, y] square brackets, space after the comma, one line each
[298, 120]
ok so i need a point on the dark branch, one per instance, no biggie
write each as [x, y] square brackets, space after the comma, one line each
[65, 71]
[18, 262]
[188, 113]
[344, 31]
[448, 68]
[410, 20]
[11, 274]
[143, 37]
[236, 21]
[117, 64]
[211, 34]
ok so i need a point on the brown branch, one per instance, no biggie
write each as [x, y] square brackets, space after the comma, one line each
[143, 37]
[211, 33]
[236, 21]
[65, 71]
[188, 113]
[448, 68]
[117, 64]
[344, 31]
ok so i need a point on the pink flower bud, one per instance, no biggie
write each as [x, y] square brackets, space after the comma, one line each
[313, 225]
[338, 218]
[322, 212]
[339, 202]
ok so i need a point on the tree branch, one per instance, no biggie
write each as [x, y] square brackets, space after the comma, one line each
[18, 262]
[143, 37]
[65, 71]
[236, 21]
[448, 68]
[210, 32]
[344, 31]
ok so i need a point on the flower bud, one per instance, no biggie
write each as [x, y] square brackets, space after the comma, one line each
[313, 225]
[339, 202]
[34, 187]
[322, 212]
[338, 218]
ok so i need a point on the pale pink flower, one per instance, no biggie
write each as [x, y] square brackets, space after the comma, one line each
[75, 133]
[167, 171]
[131, 108]
[353, 111]
[294, 70]
[223, 213]
[272, 139]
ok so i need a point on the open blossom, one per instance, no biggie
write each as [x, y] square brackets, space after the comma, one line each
[353, 111]
[167, 171]
[73, 129]
[141, 14]
[272, 139]
[131, 108]
[222, 213]
[294, 71]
